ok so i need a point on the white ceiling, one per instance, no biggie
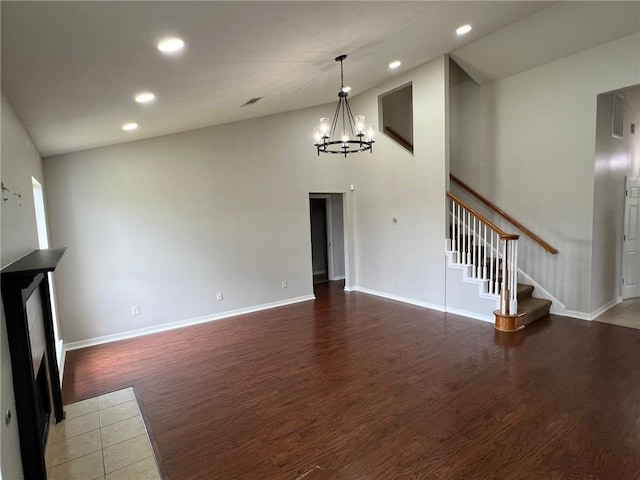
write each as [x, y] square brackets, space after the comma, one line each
[70, 69]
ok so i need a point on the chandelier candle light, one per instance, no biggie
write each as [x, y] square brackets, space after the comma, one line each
[356, 136]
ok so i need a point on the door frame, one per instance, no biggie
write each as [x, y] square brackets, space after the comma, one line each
[327, 197]
[636, 293]
[329, 229]
[42, 229]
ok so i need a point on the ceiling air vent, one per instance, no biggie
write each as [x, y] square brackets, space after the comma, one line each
[617, 111]
[252, 101]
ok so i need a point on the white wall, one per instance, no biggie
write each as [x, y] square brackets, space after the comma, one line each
[404, 259]
[537, 141]
[165, 223]
[20, 161]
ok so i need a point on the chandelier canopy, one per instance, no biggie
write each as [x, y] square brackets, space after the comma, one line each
[356, 135]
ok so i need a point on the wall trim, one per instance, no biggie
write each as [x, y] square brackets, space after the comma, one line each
[576, 314]
[612, 303]
[184, 323]
[475, 316]
[483, 285]
[397, 298]
[557, 307]
[596, 313]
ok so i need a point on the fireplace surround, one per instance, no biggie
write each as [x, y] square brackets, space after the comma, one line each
[36, 379]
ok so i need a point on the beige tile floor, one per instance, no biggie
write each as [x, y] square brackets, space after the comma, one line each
[102, 438]
[624, 314]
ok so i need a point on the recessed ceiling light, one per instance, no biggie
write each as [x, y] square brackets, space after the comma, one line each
[170, 45]
[145, 97]
[394, 65]
[127, 127]
[346, 89]
[463, 29]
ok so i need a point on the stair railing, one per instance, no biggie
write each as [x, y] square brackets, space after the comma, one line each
[490, 252]
[399, 138]
[505, 215]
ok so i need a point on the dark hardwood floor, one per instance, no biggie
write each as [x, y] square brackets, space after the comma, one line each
[353, 386]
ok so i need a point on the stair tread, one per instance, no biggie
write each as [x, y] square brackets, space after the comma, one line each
[524, 291]
[533, 309]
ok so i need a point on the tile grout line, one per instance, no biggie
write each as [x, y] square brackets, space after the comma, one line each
[104, 466]
[100, 430]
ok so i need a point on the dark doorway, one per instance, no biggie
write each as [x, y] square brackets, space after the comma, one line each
[319, 251]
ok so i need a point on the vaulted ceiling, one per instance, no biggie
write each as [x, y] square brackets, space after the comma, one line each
[71, 69]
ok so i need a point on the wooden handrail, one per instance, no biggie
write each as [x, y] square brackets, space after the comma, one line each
[501, 233]
[505, 215]
[399, 138]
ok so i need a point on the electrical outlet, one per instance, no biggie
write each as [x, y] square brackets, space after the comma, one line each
[219, 296]
[135, 310]
[284, 284]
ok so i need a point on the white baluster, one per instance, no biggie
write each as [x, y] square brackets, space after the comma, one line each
[458, 233]
[463, 255]
[453, 226]
[492, 287]
[481, 249]
[469, 239]
[484, 255]
[473, 248]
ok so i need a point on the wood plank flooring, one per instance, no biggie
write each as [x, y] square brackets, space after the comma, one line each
[352, 386]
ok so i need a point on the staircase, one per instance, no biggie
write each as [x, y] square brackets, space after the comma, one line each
[488, 256]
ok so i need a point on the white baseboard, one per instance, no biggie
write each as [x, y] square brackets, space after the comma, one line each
[420, 303]
[390, 296]
[184, 323]
[595, 314]
[474, 315]
[338, 277]
[576, 314]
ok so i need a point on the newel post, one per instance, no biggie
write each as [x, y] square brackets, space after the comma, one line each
[505, 295]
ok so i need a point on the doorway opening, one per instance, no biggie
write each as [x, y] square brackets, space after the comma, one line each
[326, 212]
[43, 242]
[615, 245]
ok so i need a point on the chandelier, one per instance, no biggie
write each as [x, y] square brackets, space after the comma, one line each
[356, 135]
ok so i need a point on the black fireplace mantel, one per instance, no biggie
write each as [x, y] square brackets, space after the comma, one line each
[19, 280]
